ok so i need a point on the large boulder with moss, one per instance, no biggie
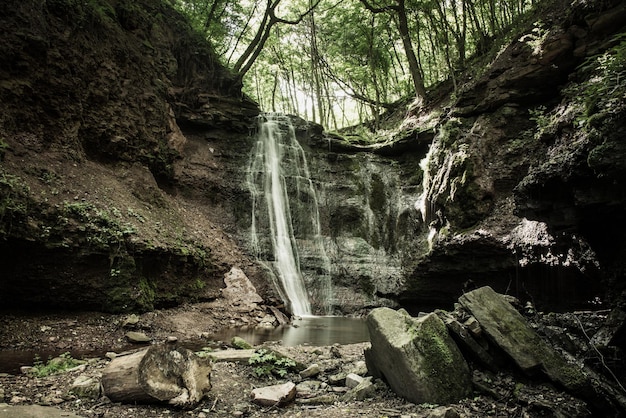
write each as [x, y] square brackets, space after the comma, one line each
[416, 357]
[508, 329]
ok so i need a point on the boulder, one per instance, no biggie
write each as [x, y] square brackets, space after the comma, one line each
[240, 343]
[416, 357]
[275, 395]
[508, 329]
[240, 291]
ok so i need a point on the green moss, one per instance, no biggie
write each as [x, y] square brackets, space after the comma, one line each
[451, 131]
[439, 357]
[199, 284]
[146, 297]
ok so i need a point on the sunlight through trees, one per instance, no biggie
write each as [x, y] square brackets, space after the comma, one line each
[341, 62]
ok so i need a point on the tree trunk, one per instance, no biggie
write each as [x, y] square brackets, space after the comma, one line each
[414, 69]
[161, 373]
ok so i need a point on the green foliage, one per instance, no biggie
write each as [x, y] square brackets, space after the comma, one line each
[600, 92]
[55, 365]
[546, 121]
[605, 90]
[101, 227]
[343, 64]
[146, 294]
[268, 363]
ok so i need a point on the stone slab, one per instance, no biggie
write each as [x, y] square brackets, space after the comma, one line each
[240, 356]
[509, 330]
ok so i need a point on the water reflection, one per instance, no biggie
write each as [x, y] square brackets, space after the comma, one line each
[313, 330]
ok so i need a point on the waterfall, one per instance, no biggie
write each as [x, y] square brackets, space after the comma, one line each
[284, 212]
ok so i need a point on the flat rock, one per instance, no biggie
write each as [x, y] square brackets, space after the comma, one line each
[137, 337]
[466, 341]
[86, 387]
[508, 329]
[131, 321]
[443, 412]
[241, 356]
[276, 395]
[365, 389]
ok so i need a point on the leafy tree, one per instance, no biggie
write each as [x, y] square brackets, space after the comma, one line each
[344, 61]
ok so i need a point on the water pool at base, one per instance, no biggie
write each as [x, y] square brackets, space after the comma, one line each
[311, 330]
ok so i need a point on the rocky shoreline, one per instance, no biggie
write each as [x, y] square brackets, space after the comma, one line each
[502, 391]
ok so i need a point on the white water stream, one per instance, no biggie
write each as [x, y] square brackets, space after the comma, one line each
[277, 167]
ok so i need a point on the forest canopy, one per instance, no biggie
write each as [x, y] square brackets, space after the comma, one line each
[341, 62]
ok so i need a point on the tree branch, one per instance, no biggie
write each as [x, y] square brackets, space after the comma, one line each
[378, 9]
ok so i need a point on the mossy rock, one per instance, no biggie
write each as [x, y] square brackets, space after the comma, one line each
[417, 357]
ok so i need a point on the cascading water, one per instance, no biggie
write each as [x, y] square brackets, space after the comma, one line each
[278, 170]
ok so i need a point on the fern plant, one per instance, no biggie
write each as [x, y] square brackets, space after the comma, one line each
[268, 363]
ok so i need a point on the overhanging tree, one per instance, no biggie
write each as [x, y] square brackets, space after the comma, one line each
[398, 8]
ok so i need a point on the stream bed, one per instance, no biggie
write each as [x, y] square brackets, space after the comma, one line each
[312, 331]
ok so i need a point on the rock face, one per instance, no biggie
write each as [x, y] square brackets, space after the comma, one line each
[492, 192]
[122, 184]
[110, 199]
[416, 357]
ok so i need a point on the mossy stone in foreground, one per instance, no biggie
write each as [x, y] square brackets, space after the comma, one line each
[416, 357]
[508, 329]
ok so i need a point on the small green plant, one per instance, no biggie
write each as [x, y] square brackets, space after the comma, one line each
[268, 363]
[546, 121]
[53, 366]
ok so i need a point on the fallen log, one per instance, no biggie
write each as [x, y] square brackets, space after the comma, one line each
[161, 373]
